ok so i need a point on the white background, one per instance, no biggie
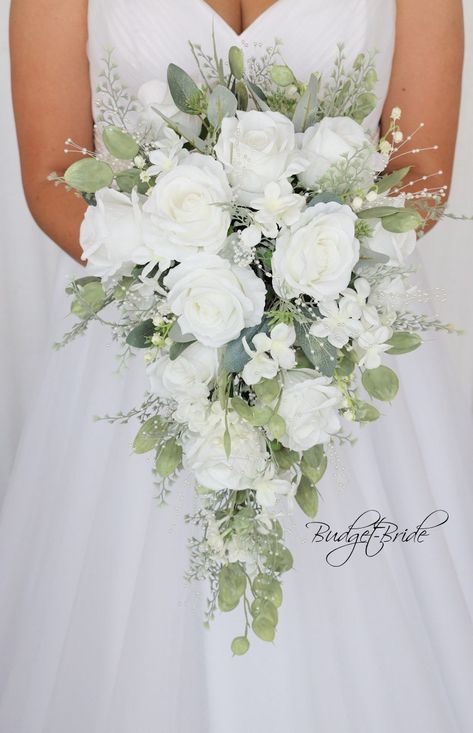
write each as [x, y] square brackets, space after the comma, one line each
[30, 263]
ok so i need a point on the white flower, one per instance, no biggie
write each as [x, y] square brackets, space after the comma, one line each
[279, 205]
[213, 299]
[257, 148]
[325, 143]
[204, 452]
[373, 345]
[396, 246]
[309, 405]
[194, 414]
[357, 296]
[155, 95]
[317, 254]
[261, 366]
[111, 232]
[187, 211]
[270, 485]
[188, 377]
[278, 345]
[167, 153]
[341, 322]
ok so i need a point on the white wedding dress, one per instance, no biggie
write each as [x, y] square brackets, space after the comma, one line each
[100, 633]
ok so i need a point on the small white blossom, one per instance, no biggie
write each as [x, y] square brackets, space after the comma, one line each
[279, 205]
[261, 365]
[373, 345]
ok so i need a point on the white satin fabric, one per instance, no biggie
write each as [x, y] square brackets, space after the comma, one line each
[99, 633]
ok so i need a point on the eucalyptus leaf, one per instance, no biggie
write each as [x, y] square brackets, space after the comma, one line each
[235, 356]
[168, 458]
[320, 352]
[184, 91]
[263, 628]
[392, 180]
[285, 458]
[372, 256]
[128, 180]
[364, 105]
[379, 212]
[149, 434]
[240, 645]
[182, 338]
[282, 75]
[222, 103]
[261, 416]
[89, 175]
[314, 463]
[364, 412]
[119, 143]
[140, 336]
[325, 198]
[242, 409]
[305, 113]
[90, 300]
[277, 426]
[267, 390]
[258, 95]
[177, 348]
[403, 221]
[307, 497]
[381, 383]
[402, 342]
[231, 586]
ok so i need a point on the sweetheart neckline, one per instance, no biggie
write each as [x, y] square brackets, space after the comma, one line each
[239, 36]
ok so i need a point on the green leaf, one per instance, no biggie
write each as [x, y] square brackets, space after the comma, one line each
[379, 212]
[236, 62]
[314, 463]
[140, 336]
[364, 105]
[231, 586]
[402, 221]
[90, 299]
[177, 348]
[373, 256]
[281, 560]
[305, 113]
[262, 607]
[267, 588]
[307, 497]
[286, 458]
[184, 91]
[325, 198]
[259, 97]
[168, 458]
[282, 75]
[242, 409]
[128, 180]
[222, 103]
[122, 288]
[70, 290]
[364, 412]
[320, 352]
[402, 342]
[240, 645]
[345, 366]
[261, 416]
[392, 180]
[181, 338]
[227, 443]
[263, 628]
[277, 426]
[267, 390]
[381, 383]
[149, 434]
[242, 94]
[119, 143]
[89, 175]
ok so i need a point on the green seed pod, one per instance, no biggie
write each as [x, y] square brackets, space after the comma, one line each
[236, 61]
[240, 645]
[263, 628]
[402, 221]
[282, 75]
[242, 94]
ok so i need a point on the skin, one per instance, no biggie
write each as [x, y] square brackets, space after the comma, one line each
[52, 97]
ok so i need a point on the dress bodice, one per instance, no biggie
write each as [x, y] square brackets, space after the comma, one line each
[146, 35]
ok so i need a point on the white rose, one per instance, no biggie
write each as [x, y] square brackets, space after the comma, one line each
[111, 232]
[257, 148]
[396, 246]
[188, 377]
[325, 143]
[155, 93]
[213, 299]
[187, 210]
[317, 254]
[309, 406]
[204, 452]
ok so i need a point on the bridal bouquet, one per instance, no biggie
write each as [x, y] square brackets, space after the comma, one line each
[243, 234]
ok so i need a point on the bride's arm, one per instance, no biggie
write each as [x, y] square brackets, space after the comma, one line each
[426, 84]
[51, 98]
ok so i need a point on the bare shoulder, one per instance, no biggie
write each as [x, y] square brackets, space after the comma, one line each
[426, 78]
[50, 80]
